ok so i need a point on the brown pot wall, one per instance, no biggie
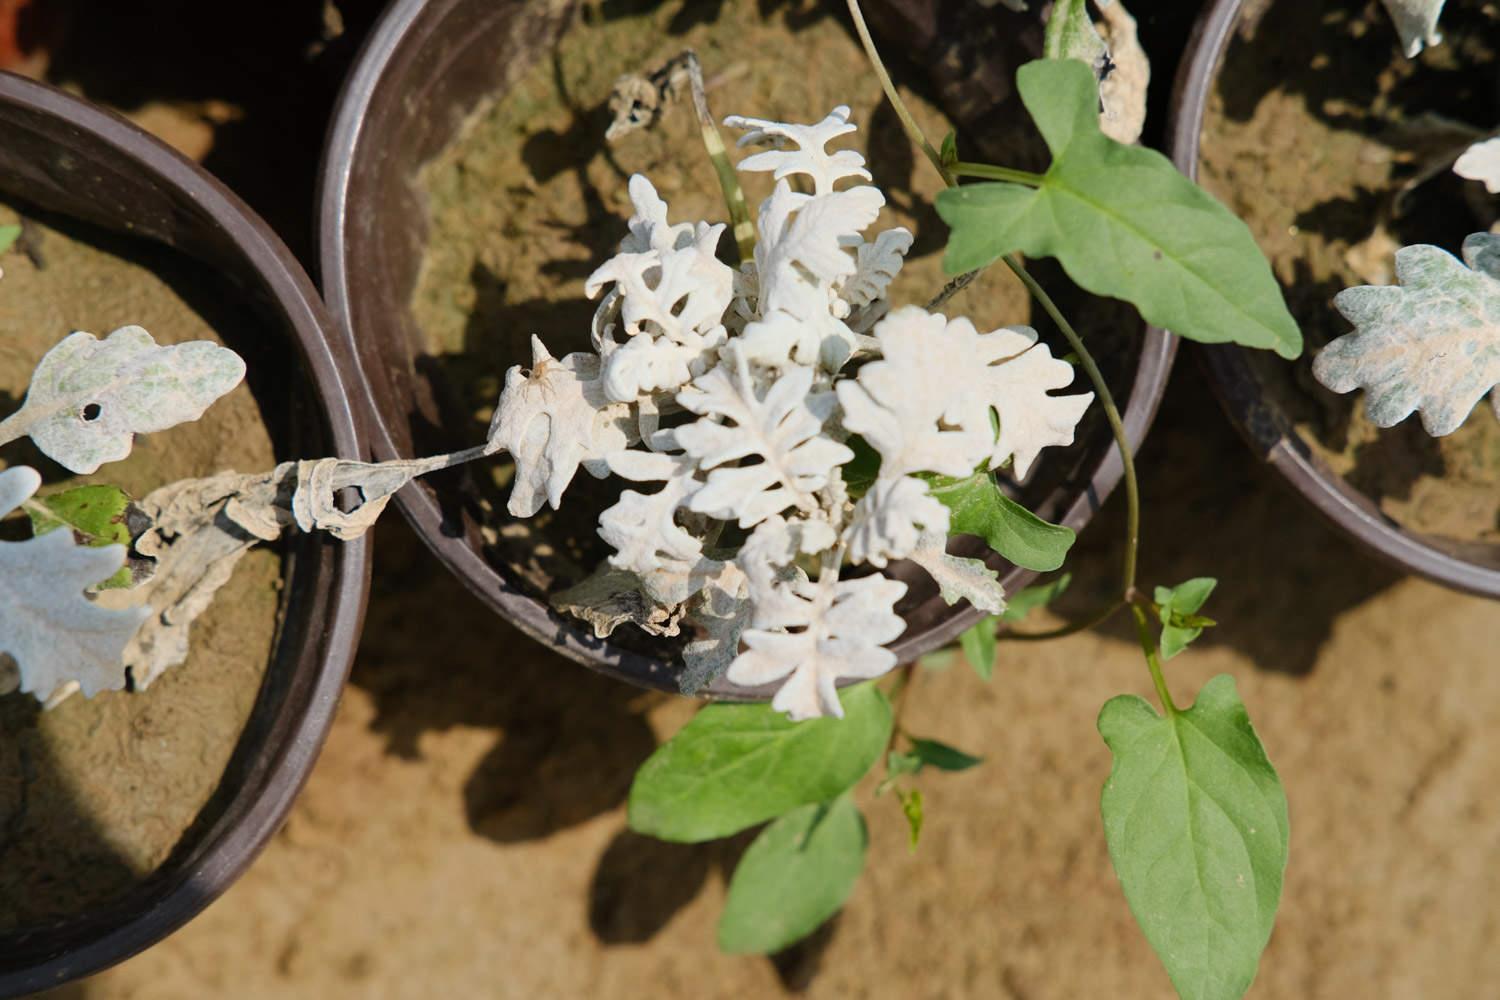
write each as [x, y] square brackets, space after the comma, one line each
[67, 156]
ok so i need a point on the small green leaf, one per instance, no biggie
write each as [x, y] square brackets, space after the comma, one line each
[796, 875]
[1196, 823]
[979, 507]
[1122, 222]
[911, 805]
[978, 644]
[8, 236]
[943, 757]
[97, 516]
[1023, 602]
[734, 766]
[1071, 35]
[1177, 608]
[948, 153]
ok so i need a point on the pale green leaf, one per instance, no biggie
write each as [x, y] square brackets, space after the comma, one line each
[979, 507]
[978, 645]
[1178, 607]
[1122, 222]
[1431, 344]
[8, 236]
[734, 766]
[911, 807]
[1196, 823]
[1071, 35]
[796, 875]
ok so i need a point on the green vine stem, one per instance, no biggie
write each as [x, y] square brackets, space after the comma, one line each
[729, 181]
[1085, 359]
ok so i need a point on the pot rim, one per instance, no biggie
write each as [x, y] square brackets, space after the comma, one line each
[1234, 382]
[156, 909]
[419, 503]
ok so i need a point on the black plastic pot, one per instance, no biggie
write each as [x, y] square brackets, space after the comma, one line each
[426, 66]
[67, 156]
[1473, 567]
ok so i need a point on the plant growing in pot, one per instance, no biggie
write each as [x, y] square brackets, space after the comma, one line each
[1337, 163]
[125, 814]
[798, 436]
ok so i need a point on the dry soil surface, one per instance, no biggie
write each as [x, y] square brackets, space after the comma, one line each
[464, 835]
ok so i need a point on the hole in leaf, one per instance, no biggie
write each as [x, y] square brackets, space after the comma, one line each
[91, 412]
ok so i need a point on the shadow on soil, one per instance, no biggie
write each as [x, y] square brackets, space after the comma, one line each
[1210, 510]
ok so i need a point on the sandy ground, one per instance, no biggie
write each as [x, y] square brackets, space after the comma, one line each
[464, 835]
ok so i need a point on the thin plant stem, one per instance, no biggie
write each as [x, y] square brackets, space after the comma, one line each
[729, 181]
[1111, 413]
[908, 123]
[991, 172]
[1153, 660]
[1082, 625]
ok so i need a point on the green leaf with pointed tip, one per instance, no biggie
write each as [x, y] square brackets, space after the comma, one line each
[8, 236]
[979, 507]
[948, 152]
[1122, 222]
[734, 766]
[1177, 607]
[1196, 823]
[978, 644]
[97, 517]
[933, 753]
[796, 875]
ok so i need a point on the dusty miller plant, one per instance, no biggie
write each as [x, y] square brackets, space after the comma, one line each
[1431, 343]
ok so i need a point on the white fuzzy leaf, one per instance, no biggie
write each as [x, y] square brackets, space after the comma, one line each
[802, 253]
[644, 530]
[841, 628]
[875, 267]
[669, 299]
[925, 406]
[89, 398]
[553, 419]
[1431, 344]
[1416, 23]
[55, 635]
[809, 157]
[1481, 162]
[891, 518]
[958, 577]
[781, 426]
[648, 226]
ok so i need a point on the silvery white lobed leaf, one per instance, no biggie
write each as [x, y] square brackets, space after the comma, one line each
[841, 630]
[55, 634]
[89, 398]
[782, 426]
[1481, 162]
[1431, 344]
[875, 267]
[648, 226]
[644, 528]
[810, 157]
[890, 518]
[553, 419]
[669, 299]
[1416, 23]
[925, 405]
[959, 578]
